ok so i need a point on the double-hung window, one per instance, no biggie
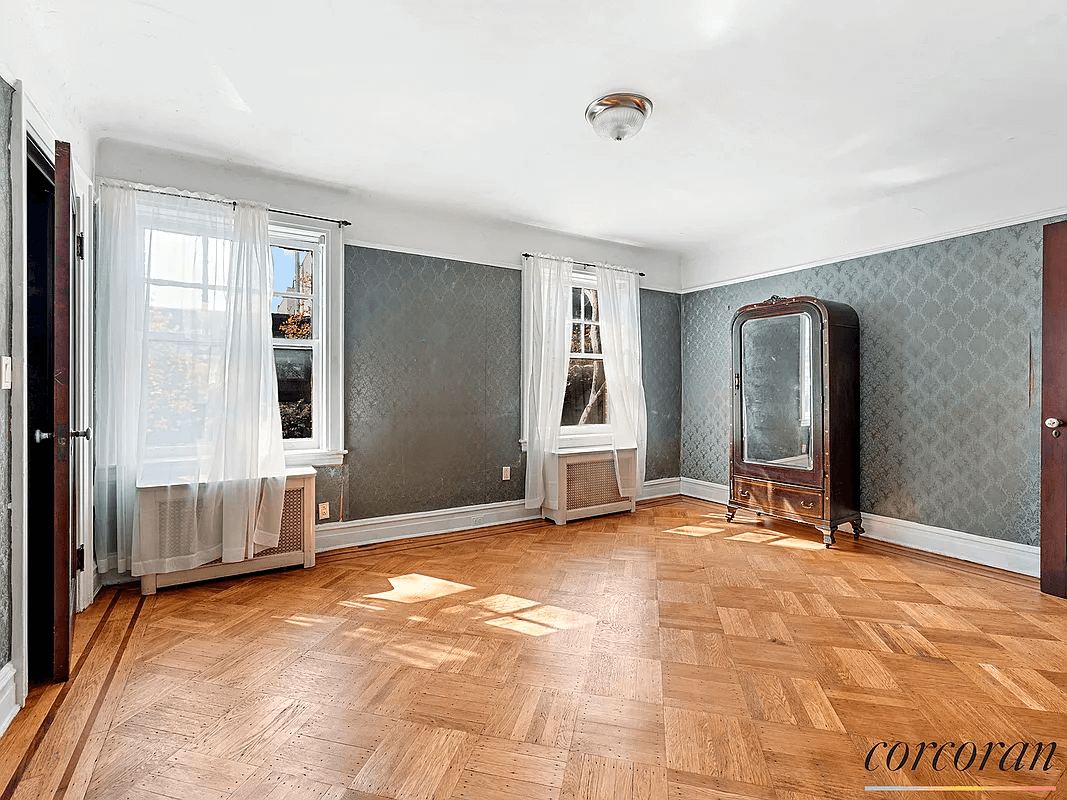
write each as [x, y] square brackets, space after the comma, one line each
[306, 324]
[586, 408]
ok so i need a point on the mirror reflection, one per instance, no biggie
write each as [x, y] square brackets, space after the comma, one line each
[776, 391]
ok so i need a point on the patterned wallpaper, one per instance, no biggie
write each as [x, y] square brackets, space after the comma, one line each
[661, 368]
[6, 93]
[432, 384]
[949, 421]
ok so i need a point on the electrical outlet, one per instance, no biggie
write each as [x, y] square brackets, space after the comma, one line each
[324, 510]
[477, 520]
[5, 372]
[507, 474]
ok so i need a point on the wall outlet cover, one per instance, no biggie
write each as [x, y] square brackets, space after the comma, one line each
[507, 474]
[5, 372]
[324, 510]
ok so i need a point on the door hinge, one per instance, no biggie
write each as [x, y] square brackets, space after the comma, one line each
[81, 557]
[79, 246]
[737, 380]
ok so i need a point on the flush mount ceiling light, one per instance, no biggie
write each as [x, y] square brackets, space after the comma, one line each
[618, 116]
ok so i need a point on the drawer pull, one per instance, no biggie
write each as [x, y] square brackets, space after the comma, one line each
[742, 493]
[806, 504]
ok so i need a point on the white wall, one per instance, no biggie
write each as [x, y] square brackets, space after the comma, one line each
[979, 200]
[27, 54]
[378, 221]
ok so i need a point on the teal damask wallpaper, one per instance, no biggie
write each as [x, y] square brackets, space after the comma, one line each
[950, 345]
[432, 383]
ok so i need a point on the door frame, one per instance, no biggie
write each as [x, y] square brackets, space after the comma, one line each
[27, 121]
[1053, 405]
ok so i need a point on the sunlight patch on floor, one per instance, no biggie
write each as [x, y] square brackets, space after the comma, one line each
[415, 588]
[754, 536]
[799, 544]
[521, 626]
[504, 603]
[558, 618]
[693, 530]
[357, 604]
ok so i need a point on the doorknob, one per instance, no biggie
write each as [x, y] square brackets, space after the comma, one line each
[87, 434]
[1052, 422]
[39, 436]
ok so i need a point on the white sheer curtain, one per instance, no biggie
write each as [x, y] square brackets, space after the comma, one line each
[620, 332]
[190, 462]
[546, 298]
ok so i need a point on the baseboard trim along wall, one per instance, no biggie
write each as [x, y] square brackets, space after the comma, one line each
[335, 535]
[1020, 558]
[1011, 556]
[660, 487]
[8, 706]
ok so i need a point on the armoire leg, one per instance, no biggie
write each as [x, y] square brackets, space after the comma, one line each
[828, 535]
[857, 528]
[730, 514]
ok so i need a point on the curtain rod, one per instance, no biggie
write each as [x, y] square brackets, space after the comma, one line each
[587, 264]
[341, 223]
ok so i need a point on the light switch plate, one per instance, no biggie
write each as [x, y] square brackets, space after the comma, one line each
[506, 474]
[324, 510]
[5, 372]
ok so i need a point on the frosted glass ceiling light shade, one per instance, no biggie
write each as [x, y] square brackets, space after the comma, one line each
[618, 116]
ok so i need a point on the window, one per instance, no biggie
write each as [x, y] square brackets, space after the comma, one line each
[186, 324]
[586, 413]
[586, 399]
[297, 337]
[306, 324]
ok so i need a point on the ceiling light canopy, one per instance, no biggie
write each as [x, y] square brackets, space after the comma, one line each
[618, 116]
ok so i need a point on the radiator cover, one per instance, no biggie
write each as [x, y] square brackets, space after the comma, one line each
[588, 485]
[296, 542]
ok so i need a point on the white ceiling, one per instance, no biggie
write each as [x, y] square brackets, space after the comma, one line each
[783, 132]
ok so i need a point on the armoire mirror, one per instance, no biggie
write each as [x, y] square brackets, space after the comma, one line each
[776, 391]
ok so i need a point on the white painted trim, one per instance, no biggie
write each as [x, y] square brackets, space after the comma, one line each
[334, 535]
[1011, 556]
[703, 490]
[82, 394]
[19, 398]
[661, 487]
[8, 707]
[937, 237]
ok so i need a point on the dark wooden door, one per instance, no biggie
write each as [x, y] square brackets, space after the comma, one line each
[65, 535]
[1054, 411]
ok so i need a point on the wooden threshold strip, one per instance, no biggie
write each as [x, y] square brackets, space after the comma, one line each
[101, 696]
[49, 718]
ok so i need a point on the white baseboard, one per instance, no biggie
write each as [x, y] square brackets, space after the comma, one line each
[660, 487]
[1011, 556]
[8, 707]
[334, 535]
[702, 490]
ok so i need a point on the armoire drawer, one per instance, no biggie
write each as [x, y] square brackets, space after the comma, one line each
[794, 500]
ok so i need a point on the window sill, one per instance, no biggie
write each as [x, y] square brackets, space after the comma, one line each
[315, 458]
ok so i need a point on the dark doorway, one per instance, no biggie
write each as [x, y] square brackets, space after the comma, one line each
[40, 297]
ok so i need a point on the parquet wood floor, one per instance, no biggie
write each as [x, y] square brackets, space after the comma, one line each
[658, 655]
